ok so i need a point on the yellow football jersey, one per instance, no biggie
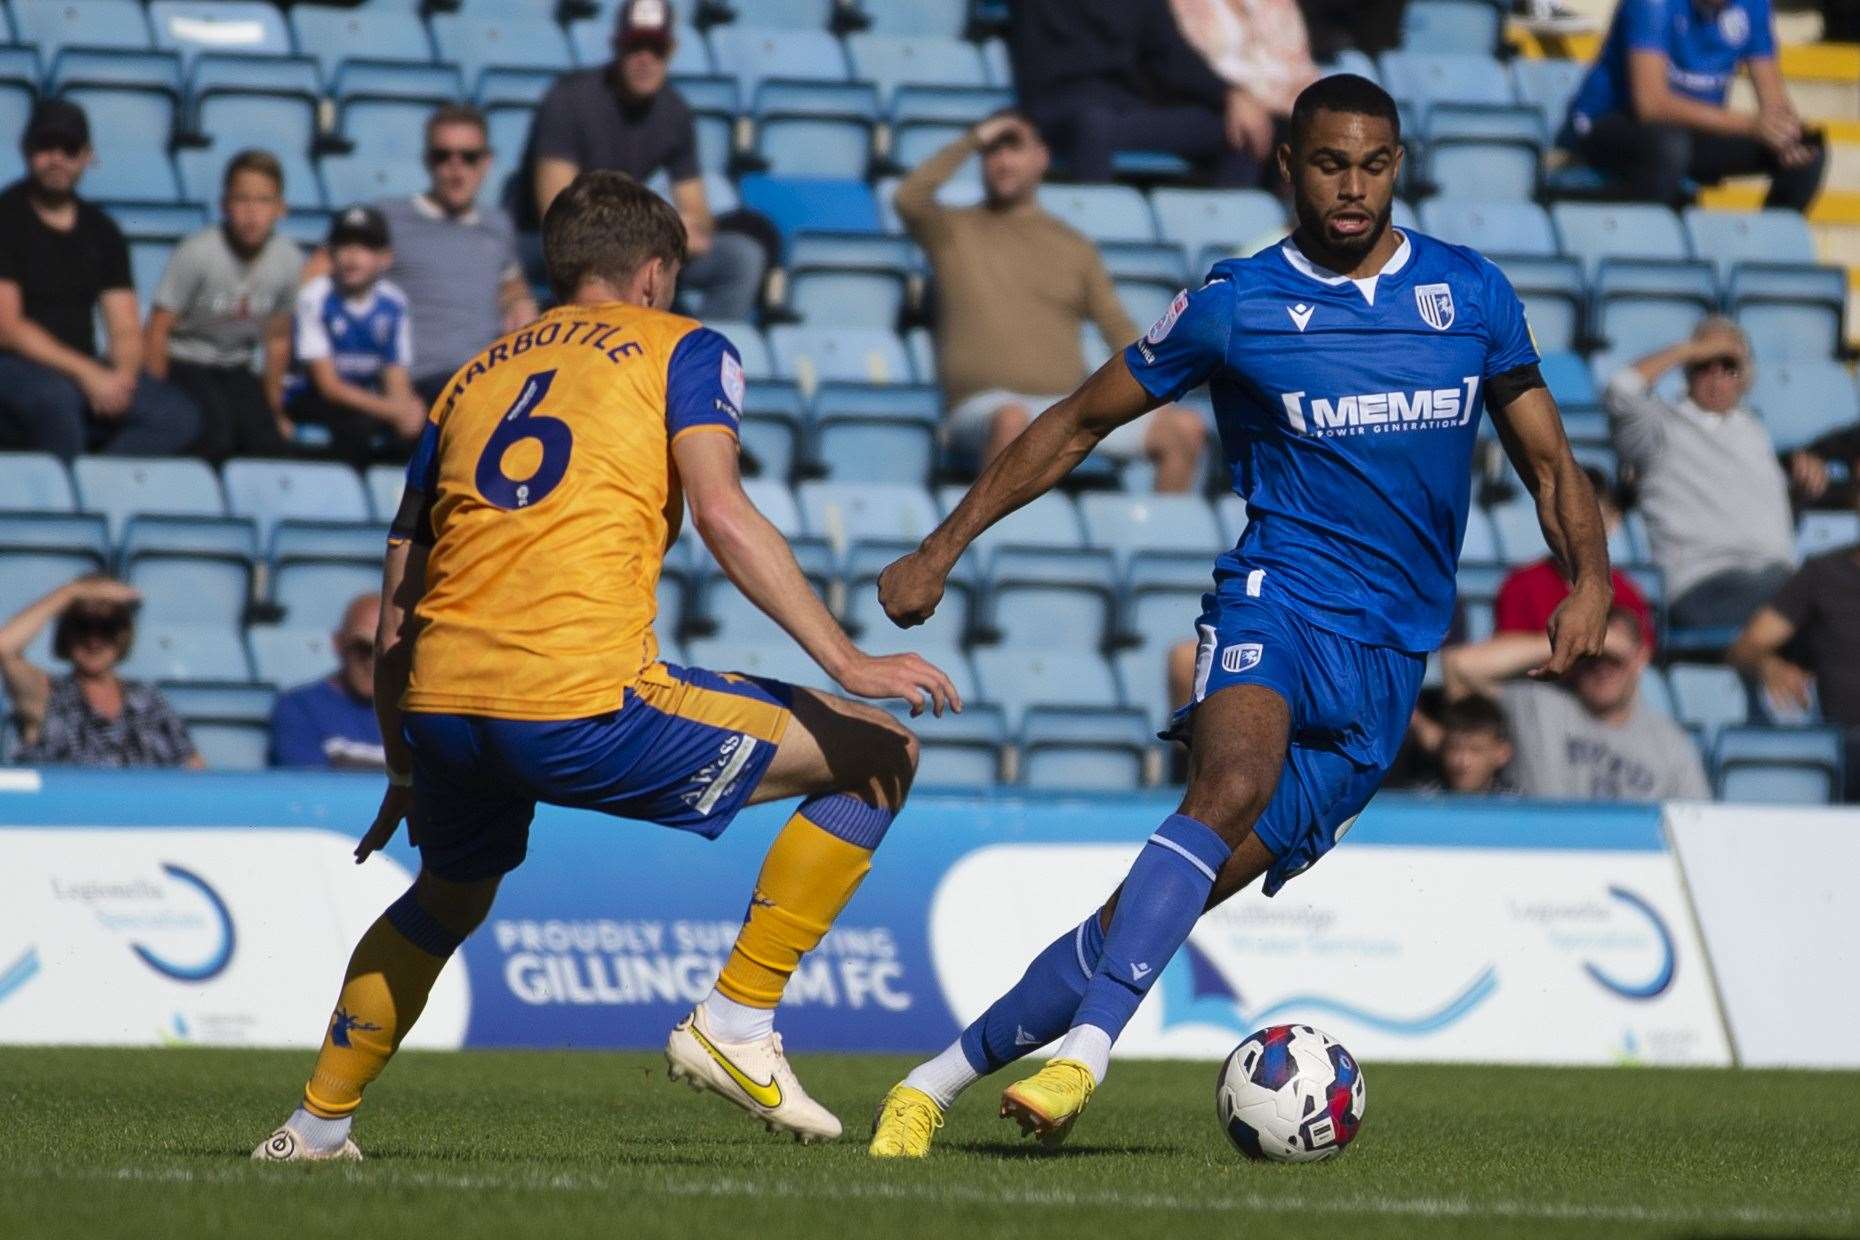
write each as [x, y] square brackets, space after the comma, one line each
[547, 461]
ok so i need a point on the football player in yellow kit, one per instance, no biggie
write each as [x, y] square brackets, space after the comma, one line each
[517, 663]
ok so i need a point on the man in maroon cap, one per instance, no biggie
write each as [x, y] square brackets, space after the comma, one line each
[623, 116]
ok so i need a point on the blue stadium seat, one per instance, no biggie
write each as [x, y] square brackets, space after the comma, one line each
[1642, 305]
[306, 226]
[317, 567]
[382, 126]
[229, 723]
[1792, 311]
[778, 660]
[922, 350]
[1231, 509]
[750, 54]
[260, 75]
[1801, 400]
[1425, 78]
[250, 27]
[1451, 26]
[366, 176]
[130, 128]
[1548, 86]
[1484, 152]
[1502, 228]
[120, 486]
[958, 751]
[475, 42]
[1555, 298]
[1774, 765]
[20, 65]
[187, 651]
[944, 18]
[1479, 545]
[1820, 532]
[1772, 235]
[949, 629]
[788, 14]
[51, 25]
[891, 61]
[158, 221]
[116, 66]
[1101, 212]
[924, 119]
[507, 132]
[190, 569]
[740, 622]
[714, 107]
[1085, 750]
[795, 204]
[147, 261]
[506, 86]
[40, 551]
[272, 491]
[16, 103]
[1161, 598]
[812, 355]
[816, 129]
[288, 657]
[1709, 695]
[1478, 587]
[858, 279]
[1161, 263]
[35, 482]
[1520, 536]
[384, 484]
[377, 32]
[750, 345]
[774, 428]
[1051, 521]
[285, 125]
[876, 433]
[1038, 593]
[1015, 678]
[1593, 231]
[1131, 524]
[1230, 219]
[848, 512]
[1568, 378]
[395, 79]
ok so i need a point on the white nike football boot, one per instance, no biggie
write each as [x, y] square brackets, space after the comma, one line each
[284, 1145]
[753, 1075]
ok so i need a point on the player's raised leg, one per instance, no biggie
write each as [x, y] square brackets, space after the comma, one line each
[853, 765]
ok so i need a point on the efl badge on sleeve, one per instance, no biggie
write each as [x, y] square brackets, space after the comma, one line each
[1163, 325]
[1435, 302]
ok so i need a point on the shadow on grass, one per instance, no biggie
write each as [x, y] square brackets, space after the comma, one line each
[1028, 1149]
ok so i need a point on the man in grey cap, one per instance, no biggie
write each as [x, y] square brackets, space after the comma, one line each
[62, 261]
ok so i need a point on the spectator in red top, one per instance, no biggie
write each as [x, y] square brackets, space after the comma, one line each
[1528, 596]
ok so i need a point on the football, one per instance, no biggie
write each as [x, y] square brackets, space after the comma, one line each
[1290, 1093]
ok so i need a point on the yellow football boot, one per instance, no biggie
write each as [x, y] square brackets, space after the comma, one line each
[905, 1125]
[1049, 1102]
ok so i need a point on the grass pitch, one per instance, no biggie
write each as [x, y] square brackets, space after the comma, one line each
[151, 1144]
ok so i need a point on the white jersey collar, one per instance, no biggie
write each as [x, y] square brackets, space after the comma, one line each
[1366, 285]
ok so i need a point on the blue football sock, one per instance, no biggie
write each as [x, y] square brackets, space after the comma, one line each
[1040, 1005]
[1162, 899]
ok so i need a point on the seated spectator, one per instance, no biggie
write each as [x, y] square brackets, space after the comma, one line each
[1257, 46]
[88, 716]
[1804, 644]
[62, 263]
[1715, 498]
[228, 290]
[1368, 26]
[625, 117]
[1103, 76]
[455, 260]
[330, 723]
[1592, 739]
[1013, 286]
[1529, 595]
[1475, 748]
[353, 344]
[1652, 110]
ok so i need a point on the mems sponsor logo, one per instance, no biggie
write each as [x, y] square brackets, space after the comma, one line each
[1379, 412]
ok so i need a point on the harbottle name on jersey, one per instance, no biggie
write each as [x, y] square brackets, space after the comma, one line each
[1425, 409]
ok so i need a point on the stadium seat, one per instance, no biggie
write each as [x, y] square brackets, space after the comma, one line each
[1050, 521]
[950, 628]
[773, 429]
[34, 482]
[230, 724]
[1232, 219]
[1131, 524]
[944, 18]
[1709, 695]
[51, 25]
[40, 551]
[1520, 535]
[891, 61]
[1469, 26]
[1493, 228]
[317, 567]
[1801, 400]
[1592, 231]
[384, 484]
[1821, 532]
[958, 751]
[508, 86]
[795, 204]
[1161, 599]
[191, 569]
[1101, 212]
[1479, 545]
[1790, 311]
[246, 27]
[1037, 592]
[478, 41]
[1423, 79]
[119, 486]
[288, 657]
[750, 54]
[395, 79]
[130, 131]
[922, 351]
[847, 512]
[373, 32]
[924, 119]
[147, 261]
[271, 491]
[750, 346]
[1015, 678]
[16, 103]
[815, 129]
[1555, 298]
[778, 660]
[19, 65]
[115, 66]
[859, 279]
[739, 622]
[812, 355]
[1779, 765]
[187, 651]
[508, 133]
[1567, 377]
[1772, 235]
[1482, 152]
[308, 228]
[876, 433]
[1548, 85]
[368, 176]
[1079, 749]
[232, 121]
[789, 14]
[1643, 305]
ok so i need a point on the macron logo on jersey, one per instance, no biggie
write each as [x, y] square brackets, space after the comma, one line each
[1381, 411]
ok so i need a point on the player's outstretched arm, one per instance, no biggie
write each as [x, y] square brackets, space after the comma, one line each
[1532, 432]
[758, 560]
[1049, 449]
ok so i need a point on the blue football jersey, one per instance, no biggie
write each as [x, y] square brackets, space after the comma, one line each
[1348, 410]
[362, 337]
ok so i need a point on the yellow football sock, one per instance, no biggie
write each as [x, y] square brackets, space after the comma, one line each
[390, 976]
[811, 871]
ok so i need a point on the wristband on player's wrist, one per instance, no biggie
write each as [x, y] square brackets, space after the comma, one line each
[399, 779]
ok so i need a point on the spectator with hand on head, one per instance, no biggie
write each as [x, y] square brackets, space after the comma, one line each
[330, 723]
[89, 716]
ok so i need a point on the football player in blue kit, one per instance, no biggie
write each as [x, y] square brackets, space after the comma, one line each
[1349, 366]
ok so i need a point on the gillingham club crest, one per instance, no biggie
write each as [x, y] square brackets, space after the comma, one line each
[1435, 302]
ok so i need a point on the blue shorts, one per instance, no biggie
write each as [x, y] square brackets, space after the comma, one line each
[686, 749]
[1350, 704]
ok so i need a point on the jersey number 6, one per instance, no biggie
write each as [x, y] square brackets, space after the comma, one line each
[520, 422]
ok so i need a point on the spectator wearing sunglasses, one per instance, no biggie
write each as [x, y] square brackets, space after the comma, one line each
[329, 724]
[88, 716]
[63, 263]
[1591, 737]
[455, 258]
[1711, 488]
